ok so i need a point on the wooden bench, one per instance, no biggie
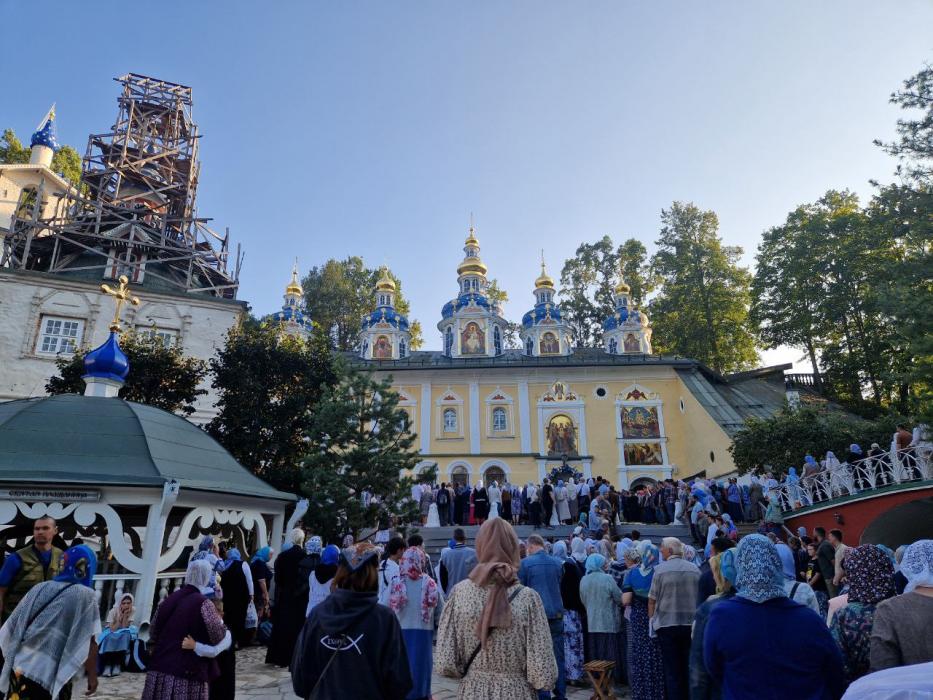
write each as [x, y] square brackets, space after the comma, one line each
[600, 675]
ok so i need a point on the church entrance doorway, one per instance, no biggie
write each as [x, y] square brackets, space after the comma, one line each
[494, 474]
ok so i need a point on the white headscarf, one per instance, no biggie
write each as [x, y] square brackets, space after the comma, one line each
[297, 537]
[198, 574]
[578, 549]
[917, 565]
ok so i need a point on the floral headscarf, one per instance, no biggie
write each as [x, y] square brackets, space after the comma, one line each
[650, 556]
[917, 565]
[314, 545]
[410, 568]
[760, 573]
[690, 554]
[870, 574]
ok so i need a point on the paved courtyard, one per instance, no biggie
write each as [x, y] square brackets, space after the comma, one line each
[258, 681]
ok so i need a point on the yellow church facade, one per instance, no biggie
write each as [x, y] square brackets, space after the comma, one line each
[484, 411]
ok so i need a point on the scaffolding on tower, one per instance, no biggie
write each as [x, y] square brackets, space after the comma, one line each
[134, 212]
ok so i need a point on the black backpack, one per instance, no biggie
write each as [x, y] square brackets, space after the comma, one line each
[442, 497]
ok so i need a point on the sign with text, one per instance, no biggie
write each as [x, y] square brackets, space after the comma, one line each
[38, 493]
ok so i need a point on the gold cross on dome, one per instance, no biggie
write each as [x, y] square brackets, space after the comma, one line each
[120, 295]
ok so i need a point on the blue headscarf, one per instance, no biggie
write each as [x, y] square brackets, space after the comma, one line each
[560, 482]
[809, 459]
[331, 554]
[78, 566]
[262, 555]
[206, 544]
[727, 566]
[792, 477]
[233, 556]
[595, 562]
[760, 572]
[855, 449]
[559, 551]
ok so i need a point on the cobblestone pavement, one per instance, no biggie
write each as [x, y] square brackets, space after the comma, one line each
[257, 681]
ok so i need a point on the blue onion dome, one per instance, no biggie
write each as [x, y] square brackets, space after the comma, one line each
[45, 136]
[292, 315]
[385, 316]
[474, 299]
[107, 361]
[542, 313]
[616, 320]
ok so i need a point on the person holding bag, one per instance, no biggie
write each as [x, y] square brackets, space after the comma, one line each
[494, 633]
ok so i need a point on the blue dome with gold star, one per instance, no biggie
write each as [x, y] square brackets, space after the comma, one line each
[383, 315]
[617, 319]
[45, 136]
[463, 301]
[541, 313]
[107, 361]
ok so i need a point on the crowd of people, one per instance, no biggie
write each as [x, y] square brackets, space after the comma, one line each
[509, 618]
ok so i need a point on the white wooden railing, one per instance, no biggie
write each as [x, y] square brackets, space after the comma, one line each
[912, 464]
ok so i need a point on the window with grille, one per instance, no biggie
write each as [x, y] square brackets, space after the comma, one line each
[450, 420]
[59, 335]
[499, 420]
[166, 335]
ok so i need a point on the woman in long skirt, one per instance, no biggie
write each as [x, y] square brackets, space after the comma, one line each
[573, 613]
[416, 600]
[644, 653]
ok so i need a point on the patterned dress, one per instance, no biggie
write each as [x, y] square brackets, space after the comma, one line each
[516, 662]
[851, 628]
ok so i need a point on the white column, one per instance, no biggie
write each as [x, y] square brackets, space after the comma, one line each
[524, 417]
[474, 418]
[581, 417]
[152, 550]
[278, 526]
[425, 432]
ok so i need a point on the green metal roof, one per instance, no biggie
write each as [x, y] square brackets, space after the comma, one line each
[71, 439]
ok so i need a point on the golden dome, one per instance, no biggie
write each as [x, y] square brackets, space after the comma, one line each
[622, 287]
[471, 239]
[385, 283]
[294, 287]
[544, 280]
[471, 265]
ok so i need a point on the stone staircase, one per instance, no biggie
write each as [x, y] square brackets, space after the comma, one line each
[436, 538]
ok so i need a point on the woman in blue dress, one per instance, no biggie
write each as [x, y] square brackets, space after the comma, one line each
[644, 653]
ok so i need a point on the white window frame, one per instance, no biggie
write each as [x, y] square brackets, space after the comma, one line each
[503, 425]
[454, 427]
[169, 336]
[495, 400]
[65, 343]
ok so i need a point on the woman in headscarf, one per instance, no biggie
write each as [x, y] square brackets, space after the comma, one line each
[561, 502]
[792, 481]
[319, 581]
[518, 506]
[352, 647]
[871, 579]
[494, 495]
[573, 504]
[480, 504]
[262, 580]
[644, 652]
[702, 686]
[603, 602]
[314, 546]
[797, 591]
[117, 636]
[761, 628]
[290, 600]
[574, 612]
[900, 634]
[173, 671]
[209, 550]
[494, 633]
[417, 601]
[52, 633]
[237, 582]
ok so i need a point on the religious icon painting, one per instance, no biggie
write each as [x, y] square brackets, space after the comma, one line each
[644, 454]
[549, 345]
[382, 348]
[561, 437]
[640, 422]
[473, 339]
[631, 343]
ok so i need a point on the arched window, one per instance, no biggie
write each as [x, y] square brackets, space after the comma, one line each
[494, 474]
[459, 475]
[497, 339]
[450, 420]
[530, 347]
[28, 203]
[449, 341]
[613, 346]
[383, 300]
[402, 348]
[499, 420]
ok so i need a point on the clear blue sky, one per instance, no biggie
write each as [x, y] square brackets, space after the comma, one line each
[375, 128]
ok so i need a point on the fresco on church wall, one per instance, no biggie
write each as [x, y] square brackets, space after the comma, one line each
[382, 348]
[549, 344]
[640, 422]
[644, 454]
[631, 343]
[473, 339]
[561, 437]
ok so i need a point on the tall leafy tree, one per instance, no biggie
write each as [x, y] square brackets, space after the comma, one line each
[65, 161]
[702, 309]
[588, 281]
[358, 444]
[340, 291]
[914, 145]
[161, 375]
[268, 385]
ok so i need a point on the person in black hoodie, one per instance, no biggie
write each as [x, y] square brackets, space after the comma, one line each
[350, 646]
